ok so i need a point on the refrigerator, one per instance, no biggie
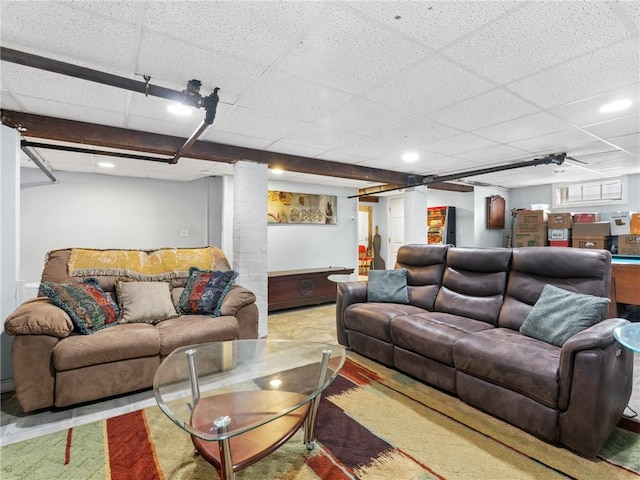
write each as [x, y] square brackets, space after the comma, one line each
[441, 225]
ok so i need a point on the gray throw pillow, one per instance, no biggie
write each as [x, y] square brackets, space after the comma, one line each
[388, 286]
[559, 314]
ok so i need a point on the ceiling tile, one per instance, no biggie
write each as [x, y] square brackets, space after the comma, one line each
[156, 108]
[267, 29]
[337, 156]
[257, 124]
[291, 149]
[320, 137]
[458, 144]
[628, 142]
[592, 74]
[123, 11]
[55, 20]
[615, 128]
[452, 165]
[432, 85]
[587, 111]
[10, 102]
[368, 147]
[373, 55]
[430, 22]
[482, 110]
[417, 132]
[146, 124]
[68, 111]
[553, 142]
[364, 117]
[289, 96]
[491, 155]
[504, 51]
[229, 138]
[530, 126]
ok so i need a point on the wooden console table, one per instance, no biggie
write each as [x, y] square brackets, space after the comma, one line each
[625, 283]
[296, 288]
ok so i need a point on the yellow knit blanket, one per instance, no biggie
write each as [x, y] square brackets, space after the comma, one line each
[159, 264]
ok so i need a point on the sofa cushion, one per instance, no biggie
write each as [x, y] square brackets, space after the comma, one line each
[193, 329]
[121, 342]
[205, 290]
[373, 319]
[433, 334]
[511, 360]
[387, 286]
[90, 308]
[559, 314]
[39, 316]
[144, 302]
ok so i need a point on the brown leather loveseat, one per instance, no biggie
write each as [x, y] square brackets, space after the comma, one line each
[55, 364]
[460, 332]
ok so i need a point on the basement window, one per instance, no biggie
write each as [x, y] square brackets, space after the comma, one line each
[609, 191]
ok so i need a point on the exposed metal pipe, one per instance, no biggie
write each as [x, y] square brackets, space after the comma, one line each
[40, 162]
[210, 104]
[56, 66]
[556, 158]
[190, 96]
[107, 153]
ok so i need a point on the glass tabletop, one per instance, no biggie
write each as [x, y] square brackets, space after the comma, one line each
[221, 389]
[629, 336]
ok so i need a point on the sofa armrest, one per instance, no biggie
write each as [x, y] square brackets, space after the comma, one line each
[236, 298]
[598, 337]
[348, 294]
[39, 316]
[593, 361]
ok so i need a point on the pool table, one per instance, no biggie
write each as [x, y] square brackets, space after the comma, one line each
[625, 281]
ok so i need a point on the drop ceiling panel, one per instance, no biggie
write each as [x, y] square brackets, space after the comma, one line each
[257, 124]
[615, 128]
[628, 142]
[320, 137]
[430, 21]
[369, 148]
[591, 74]
[51, 29]
[146, 124]
[155, 108]
[459, 144]
[257, 31]
[239, 140]
[374, 54]
[492, 154]
[417, 132]
[482, 110]
[291, 149]
[504, 51]
[434, 84]
[289, 96]
[562, 140]
[530, 126]
[81, 113]
[587, 111]
[365, 117]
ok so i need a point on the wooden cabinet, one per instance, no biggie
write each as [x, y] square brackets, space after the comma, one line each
[494, 211]
[296, 288]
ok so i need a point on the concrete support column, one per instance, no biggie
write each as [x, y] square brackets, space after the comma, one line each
[415, 215]
[250, 232]
[9, 242]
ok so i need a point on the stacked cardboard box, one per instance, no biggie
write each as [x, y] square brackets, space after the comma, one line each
[559, 229]
[591, 235]
[531, 230]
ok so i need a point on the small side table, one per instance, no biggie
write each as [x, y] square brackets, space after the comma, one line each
[629, 336]
[354, 277]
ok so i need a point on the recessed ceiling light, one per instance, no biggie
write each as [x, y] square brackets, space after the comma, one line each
[105, 164]
[410, 157]
[615, 106]
[180, 109]
[277, 171]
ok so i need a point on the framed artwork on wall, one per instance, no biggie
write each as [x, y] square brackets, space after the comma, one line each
[290, 207]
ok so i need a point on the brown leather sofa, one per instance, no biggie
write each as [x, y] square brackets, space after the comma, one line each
[55, 365]
[460, 333]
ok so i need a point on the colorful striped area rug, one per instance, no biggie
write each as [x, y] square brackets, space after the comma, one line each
[373, 423]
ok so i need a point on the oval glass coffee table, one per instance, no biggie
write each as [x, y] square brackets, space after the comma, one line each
[240, 400]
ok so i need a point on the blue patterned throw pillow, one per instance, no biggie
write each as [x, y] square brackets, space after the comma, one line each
[388, 286]
[90, 308]
[205, 290]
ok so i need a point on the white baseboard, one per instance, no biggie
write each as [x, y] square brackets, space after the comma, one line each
[7, 385]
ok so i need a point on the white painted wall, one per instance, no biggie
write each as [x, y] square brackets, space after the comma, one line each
[100, 211]
[482, 236]
[314, 246]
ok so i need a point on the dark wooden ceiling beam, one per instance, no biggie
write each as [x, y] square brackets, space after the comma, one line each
[83, 133]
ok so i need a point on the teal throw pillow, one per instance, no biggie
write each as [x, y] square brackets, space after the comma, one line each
[388, 286]
[90, 308]
[559, 314]
[205, 290]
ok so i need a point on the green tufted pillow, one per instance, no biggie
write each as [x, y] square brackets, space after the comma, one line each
[559, 314]
[388, 286]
